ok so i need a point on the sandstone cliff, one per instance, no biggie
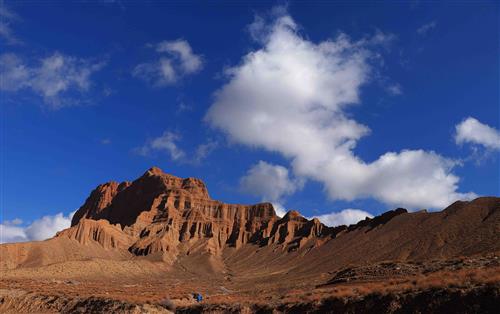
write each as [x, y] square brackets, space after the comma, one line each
[161, 213]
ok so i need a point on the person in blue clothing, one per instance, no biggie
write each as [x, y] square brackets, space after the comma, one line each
[198, 297]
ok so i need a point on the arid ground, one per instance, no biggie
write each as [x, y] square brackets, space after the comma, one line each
[149, 245]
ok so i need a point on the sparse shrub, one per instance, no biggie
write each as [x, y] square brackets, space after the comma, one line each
[168, 304]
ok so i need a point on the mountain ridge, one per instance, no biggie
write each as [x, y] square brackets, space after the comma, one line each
[161, 211]
[165, 218]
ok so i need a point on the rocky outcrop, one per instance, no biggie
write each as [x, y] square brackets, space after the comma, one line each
[293, 231]
[100, 231]
[99, 199]
[161, 213]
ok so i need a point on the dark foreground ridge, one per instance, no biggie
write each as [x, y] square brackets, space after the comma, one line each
[483, 299]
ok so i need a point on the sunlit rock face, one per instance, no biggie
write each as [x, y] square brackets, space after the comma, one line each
[161, 213]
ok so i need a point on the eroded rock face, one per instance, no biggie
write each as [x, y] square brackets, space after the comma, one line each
[161, 213]
[100, 231]
[99, 199]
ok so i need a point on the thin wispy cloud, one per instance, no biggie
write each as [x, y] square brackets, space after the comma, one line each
[183, 107]
[311, 128]
[204, 150]
[176, 61]
[170, 143]
[166, 143]
[426, 28]
[7, 19]
[394, 89]
[60, 80]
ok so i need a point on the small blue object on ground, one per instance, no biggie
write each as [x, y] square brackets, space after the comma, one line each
[198, 297]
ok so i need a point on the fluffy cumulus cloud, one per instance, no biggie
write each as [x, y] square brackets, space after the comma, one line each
[344, 217]
[290, 96]
[40, 229]
[176, 61]
[55, 78]
[167, 142]
[269, 182]
[474, 132]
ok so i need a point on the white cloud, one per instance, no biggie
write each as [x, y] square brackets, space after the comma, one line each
[167, 143]
[13, 222]
[40, 229]
[290, 97]
[426, 28]
[344, 217]
[12, 233]
[14, 74]
[279, 209]
[474, 132]
[53, 78]
[167, 70]
[189, 62]
[268, 181]
[159, 73]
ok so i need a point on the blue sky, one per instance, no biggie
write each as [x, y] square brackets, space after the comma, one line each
[315, 106]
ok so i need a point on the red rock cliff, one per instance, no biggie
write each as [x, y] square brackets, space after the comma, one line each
[163, 213]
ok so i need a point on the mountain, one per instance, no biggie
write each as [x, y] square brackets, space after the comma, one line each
[161, 213]
[162, 228]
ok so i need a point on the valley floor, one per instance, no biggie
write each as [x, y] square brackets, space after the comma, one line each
[459, 285]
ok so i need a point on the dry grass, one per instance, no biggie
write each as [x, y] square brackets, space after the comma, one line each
[276, 292]
[462, 278]
[168, 304]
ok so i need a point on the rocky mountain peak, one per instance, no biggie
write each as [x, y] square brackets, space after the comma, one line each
[154, 171]
[160, 212]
